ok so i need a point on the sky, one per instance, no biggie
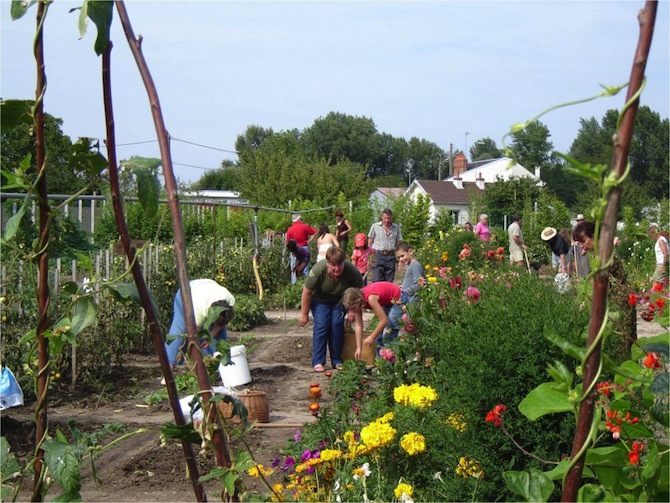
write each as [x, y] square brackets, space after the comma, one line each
[449, 72]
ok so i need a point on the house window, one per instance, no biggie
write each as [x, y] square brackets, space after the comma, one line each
[454, 216]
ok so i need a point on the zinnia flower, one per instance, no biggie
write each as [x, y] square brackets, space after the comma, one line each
[473, 294]
[413, 443]
[495, 415]
[490, 254]
[632, 299]
[651, 361]
[387, 355]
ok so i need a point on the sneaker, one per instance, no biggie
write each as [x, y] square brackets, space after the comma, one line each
[338, 366]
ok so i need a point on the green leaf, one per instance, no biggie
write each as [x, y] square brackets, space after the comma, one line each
[613, 456]
[660, 411]
[84, 314]
[128, 291]
[20, 7]
[182, 432]
[637, 352]
[84, 158]
[145, 170]
[660, 385]
[569, 349]
[543, 400]
[68, 497]
[15, 112]
[591, 492]
[12, 226]
[64, 462]
[518, 482]
[29, 336]
[70, 287]
[214, 473]
[85, 262]
[535, 486]
[101, 13]
[229, 480]
[9, 467]
[660, 347]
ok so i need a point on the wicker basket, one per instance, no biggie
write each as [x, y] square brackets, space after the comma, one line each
[256, 403]
[349, 349]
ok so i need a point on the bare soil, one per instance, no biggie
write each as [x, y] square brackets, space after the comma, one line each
[140, 469]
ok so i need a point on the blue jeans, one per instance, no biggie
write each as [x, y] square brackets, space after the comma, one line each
[328, 331]
[394, 314]
[292, 262]
[178, 330]
[384, 268]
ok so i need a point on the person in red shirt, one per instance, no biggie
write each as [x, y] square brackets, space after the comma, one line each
[380, 297]
[302, 234]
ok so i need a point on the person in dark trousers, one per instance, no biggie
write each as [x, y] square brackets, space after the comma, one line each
[383, 237]
[558, 247]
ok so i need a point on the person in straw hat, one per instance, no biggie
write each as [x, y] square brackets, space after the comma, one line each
[559, 248]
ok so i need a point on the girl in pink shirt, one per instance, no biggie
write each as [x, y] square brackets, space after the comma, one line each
[361, 255]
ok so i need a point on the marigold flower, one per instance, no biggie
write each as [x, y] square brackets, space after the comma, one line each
[376, 435]
[468, 468]
[651, 361]
[328, 454]
[413, 443]
[457, 422]
[632, 299]
[257, 470]
[403, 491]
[415, 395]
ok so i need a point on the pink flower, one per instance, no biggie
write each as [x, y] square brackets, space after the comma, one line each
[387, 355]
[473, 294]
[455, 282]
[443, 272]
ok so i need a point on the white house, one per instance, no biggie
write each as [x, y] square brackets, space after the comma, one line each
[382, 197]
[219, 196]
[455, 193]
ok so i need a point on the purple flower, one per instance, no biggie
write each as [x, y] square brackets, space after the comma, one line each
[296, 437]
[289, 461]
[306, 455]
[309, 470]
[276, 462]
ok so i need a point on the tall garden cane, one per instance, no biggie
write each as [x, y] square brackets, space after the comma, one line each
[527, 261]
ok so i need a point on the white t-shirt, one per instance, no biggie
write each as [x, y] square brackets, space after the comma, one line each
[204, 292]
[658, 251]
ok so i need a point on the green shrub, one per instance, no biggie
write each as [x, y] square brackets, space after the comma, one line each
[249, 313]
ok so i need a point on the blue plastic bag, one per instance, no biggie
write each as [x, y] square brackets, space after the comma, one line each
[11, 394]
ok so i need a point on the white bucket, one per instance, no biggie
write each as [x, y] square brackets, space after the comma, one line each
[237, 373]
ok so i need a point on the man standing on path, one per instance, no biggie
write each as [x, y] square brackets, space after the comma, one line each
[516, 244]
[322, 293]
[302, 234]
[383, 237]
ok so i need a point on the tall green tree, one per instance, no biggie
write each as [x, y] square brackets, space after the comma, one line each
[424, 158]
[252, 138]
[339, 136]
[509, 197]
[532, 146]
[227, 177]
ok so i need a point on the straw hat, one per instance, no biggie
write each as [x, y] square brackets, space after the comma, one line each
[579, 217]
[548, 233]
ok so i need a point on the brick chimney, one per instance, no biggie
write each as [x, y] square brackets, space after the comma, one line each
[460, 164]
[479, 181]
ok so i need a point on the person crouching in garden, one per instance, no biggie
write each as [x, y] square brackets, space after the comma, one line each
[322, 294]
[380, 297]
[206, 294]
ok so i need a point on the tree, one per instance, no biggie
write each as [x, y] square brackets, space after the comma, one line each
[425, 157]
[279, 171]
[339, 136]
[649, 152]
[532, 146]
[252, 138]
[484, 149]
[508, 197]
[227, 177]
[19, 141]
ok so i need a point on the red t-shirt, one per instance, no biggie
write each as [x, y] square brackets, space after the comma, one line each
[388, 293]
[300, 232]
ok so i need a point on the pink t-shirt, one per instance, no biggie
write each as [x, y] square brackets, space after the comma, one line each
[388, 293]
[360, 258]
[482, 231]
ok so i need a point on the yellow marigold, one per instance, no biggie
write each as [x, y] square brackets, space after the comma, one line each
[415, 395]
[386, 418]
[328, 454]
[413, 443]
[403, 488]
[349, 437]
[257, 470]
[377, 435]
[431, 279]
[427, 267]
[456, 422]
[468, 468]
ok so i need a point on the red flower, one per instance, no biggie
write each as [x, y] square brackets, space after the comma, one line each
[660, 303]
[495, 415]
[632, 299]
[651, 361]
[603, 388]
[490, 254]
[456, 282]
[634, 454]
[500, 250]
[658, 287]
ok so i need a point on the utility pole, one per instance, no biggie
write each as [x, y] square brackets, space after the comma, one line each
[451, 159]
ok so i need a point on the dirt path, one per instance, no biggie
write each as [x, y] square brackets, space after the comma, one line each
[140, 469]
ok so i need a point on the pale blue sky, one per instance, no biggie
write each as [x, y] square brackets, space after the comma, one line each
[434, 70]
